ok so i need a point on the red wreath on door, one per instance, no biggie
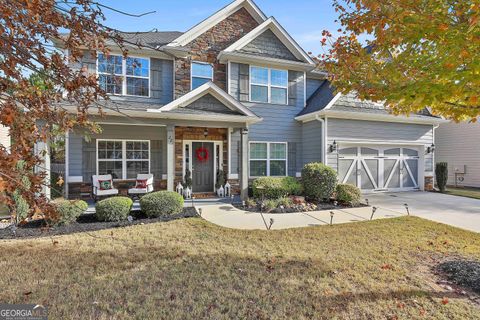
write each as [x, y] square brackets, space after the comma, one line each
[202, 154]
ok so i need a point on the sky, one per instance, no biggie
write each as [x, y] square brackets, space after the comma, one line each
[303, 19]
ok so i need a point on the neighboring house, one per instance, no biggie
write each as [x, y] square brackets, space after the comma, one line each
[459, 145]
[4, 137]
[236, 92]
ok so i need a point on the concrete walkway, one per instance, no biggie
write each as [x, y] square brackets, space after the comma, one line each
[456, 211]
[230, 217]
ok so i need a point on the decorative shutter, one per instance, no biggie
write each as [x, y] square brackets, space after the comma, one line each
[156, 159]
[155, 78]
[89, 160]
[292, 159]
[292, 88]
[244, 79]
[239, 157]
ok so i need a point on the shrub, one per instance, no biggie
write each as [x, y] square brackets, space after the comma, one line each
[69, 211]
[275, 187]
[162, 203]
[348, 194]
[318, 180]
[286, 202]
[270, 204]
[113, 209]
[441, 172]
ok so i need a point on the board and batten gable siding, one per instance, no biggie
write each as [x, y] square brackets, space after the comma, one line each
[268, 45]
[4, 137]
[82, 153]
[312, 141]
[161, 79]
[379, 132]
[458, 144]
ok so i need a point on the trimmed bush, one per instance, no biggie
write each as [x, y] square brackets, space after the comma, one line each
[69, 211]
[275, 187]
[441, 172]
[348, 194]
[113, 209]
[318, 180]
[161, 203]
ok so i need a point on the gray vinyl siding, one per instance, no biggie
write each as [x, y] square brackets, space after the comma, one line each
[82, 153]
[268, 45]
[380, 132]
[210, 104]
[312, 141]
[279, 125]
[312, 86]
[161, 79]
[458, 144]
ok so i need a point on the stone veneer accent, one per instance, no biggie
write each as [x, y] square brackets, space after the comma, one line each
[206, 48]
[197, 133]
[428, 183]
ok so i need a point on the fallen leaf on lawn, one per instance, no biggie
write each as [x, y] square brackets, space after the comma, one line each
[445, 300]
[27, 293]
[387, 266]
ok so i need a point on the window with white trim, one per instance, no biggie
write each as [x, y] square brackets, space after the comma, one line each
[268, 159]
[268, 85]
[201, 74]
[124, 76]
[123, 159]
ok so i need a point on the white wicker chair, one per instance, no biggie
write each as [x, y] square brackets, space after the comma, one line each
[97, 192]
[137, 192]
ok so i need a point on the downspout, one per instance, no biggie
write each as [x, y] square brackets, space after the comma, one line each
[433, 154]
[324, 137]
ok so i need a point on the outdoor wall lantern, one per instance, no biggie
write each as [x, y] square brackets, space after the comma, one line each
[205, 132]
[431, 149]
[245, 131]
[333, 146]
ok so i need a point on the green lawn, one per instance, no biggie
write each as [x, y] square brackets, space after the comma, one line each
[191, 269]
[464, 192]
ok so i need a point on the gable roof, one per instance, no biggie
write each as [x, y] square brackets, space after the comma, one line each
[151, 39]
[208, 88]
[211, 21]
[275, 27]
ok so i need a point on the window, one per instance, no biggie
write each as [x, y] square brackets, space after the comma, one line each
[123, 159]
[268, 159]
[268, 85]
[124, 76]
[201, 74]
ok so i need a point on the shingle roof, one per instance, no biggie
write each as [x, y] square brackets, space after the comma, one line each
[151, 39]
[349, 102]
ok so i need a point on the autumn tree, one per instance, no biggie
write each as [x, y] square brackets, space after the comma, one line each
[32, 109]
[418, 53]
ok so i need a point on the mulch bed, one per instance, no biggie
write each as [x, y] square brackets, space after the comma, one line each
[465, 273]
[308, 207]
[85, 223]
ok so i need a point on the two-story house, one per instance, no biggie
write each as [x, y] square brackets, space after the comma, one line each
[237, 93]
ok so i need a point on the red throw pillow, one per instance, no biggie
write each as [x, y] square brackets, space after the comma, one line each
[105, 184]
[141, 184]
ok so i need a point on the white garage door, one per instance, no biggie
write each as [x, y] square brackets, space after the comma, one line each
[372, 168]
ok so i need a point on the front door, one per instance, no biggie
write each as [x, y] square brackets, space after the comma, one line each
[202, 167]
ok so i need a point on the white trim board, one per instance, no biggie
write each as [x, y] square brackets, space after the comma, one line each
[220, 15]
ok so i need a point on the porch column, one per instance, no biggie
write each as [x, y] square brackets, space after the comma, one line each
[170, 157]
[244, 165]
[42, 151]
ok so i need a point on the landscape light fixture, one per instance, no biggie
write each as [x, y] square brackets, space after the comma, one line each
[406, 207]
[373, 212]
[331, 217]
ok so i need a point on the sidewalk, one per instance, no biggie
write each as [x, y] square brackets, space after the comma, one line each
[230, 217]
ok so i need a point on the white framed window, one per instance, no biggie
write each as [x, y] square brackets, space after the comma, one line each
[268, 159]
[268, 85]
[201, 73]
[128, 76]
[123, 159]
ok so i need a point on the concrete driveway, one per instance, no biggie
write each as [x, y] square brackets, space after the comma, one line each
[453, 210]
